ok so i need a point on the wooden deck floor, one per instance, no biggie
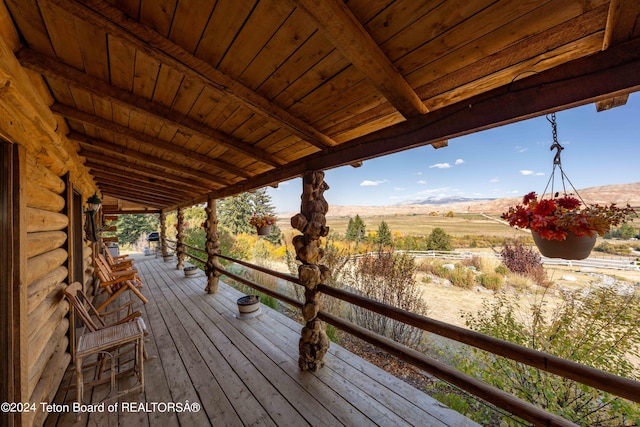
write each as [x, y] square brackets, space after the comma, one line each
[244, 371]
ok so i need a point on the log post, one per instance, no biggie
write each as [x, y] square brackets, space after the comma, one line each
[212, 246]
[163, 234]
[180, 249]
[311, 221]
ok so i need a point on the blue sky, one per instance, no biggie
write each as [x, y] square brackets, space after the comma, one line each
[509, 161]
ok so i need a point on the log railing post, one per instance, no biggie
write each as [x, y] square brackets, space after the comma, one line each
[163, 234]
[212, 247]
[311, 221]
[180, 249]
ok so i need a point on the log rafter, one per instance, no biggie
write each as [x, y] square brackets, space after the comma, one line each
[70, 76]
[111, 20]
[144, 139]
[339, 25]
[89, 146]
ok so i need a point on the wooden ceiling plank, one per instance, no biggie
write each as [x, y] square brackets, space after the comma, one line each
[90, 142]
[262, 24]
[135, 197]
[349, 37]
[113, 21]
[122, 57]
[95, 56]
[27, 17]
[61, 28]
[452, 74]
[623, 22]
[141, 138]
[170, 81]
[158, 14]
[388, 22]
[189, 21]
[292, 35]
[556, 57]
[610, 103]
[600, 76]
[146, 75]
[51, 68]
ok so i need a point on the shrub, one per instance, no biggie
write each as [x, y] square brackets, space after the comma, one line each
[439, 240]
[501, 269]
[462, 277]
[596, 327]
[388, 277]
[522, 259]
[491, 281]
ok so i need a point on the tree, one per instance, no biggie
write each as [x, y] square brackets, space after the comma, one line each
[356, 229]
[383, 235]
[129, 227]
[439, 240]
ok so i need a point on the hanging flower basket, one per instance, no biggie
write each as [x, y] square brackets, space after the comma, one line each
[264, 231]
[561, 228]
[262, 223]
[573, 247]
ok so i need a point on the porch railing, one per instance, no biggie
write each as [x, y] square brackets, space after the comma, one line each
[614, 384]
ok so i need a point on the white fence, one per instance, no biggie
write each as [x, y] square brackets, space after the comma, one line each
[593, 262]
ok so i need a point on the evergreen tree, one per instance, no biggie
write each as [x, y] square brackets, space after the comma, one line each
[383, 235]
[439, 240]
[234, 214]
[356, 229]
[129, 227]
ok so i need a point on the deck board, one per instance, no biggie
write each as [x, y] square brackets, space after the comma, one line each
[245, 371]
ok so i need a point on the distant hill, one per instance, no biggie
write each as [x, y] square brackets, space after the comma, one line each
[617, 193]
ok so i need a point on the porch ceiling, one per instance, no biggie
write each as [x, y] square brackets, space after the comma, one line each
[171, 102]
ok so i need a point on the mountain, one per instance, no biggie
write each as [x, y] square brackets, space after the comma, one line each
[617, 193]
[446, 200]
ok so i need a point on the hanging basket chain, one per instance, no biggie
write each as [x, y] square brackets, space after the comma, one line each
[557, 163]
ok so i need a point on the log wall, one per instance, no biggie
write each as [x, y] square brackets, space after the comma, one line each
[26, 120]
[47, 274]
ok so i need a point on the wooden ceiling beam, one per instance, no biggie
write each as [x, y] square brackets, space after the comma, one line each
[137, 181]
[152, 174]
[70, 76]
[336, 21]
[133, 197]
[597, 77]
[107, 18]
[144, 139]
[622, 22]
[91, 144]
[118, 185]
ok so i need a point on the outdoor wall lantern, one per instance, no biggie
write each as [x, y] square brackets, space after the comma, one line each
[93, 203]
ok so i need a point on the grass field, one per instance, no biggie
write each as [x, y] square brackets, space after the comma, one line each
[422, 225]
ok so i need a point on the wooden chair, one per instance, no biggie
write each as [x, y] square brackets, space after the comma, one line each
[104, 341]
[118, 262]
[116, 283]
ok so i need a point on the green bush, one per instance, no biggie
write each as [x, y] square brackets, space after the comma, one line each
[596, 327]
[491, 281]
[462, 277]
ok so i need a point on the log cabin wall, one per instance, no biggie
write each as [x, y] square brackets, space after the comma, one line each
[51, 167]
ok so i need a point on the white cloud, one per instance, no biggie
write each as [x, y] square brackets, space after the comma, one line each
[539, 173]
[421, 182]
[526, 172]
[398, 188]
[440, 166]
[496, 179]
[369, 183]
[520, 149]
[459, 161]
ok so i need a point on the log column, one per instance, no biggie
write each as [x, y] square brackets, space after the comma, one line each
[212, 246]
[163, 234]
[180, 238]
[311, 221]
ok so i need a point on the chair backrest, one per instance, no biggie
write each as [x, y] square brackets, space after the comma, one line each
[83, 307]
